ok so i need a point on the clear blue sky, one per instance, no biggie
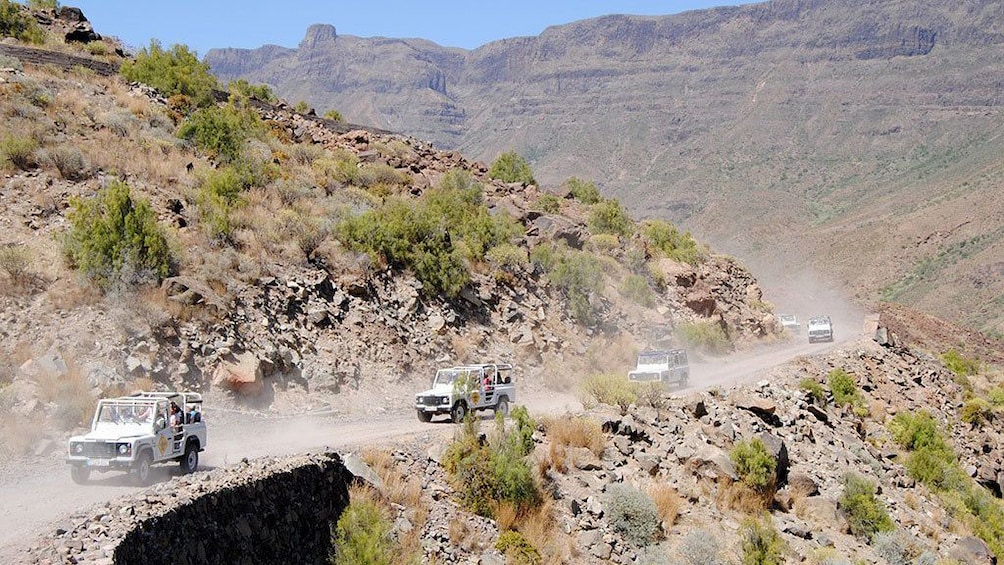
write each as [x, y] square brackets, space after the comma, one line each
[205, 24]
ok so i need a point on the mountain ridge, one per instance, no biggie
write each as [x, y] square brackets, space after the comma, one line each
[788, 118]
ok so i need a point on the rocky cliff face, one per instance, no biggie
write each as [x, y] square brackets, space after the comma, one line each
[838, 121]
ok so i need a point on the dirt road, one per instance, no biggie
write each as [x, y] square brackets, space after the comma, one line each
[42, 497]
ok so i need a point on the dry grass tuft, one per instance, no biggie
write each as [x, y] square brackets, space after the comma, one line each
[668, 502]
[462, 534]
[743, 498]
[541, 529]
[575, 431]
[506, 515]
[400, 487]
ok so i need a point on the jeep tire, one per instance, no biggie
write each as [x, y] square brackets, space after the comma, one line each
[502, 406]
[141, 471]
[459, 412]
[424, 416]
[80, 474]
[190, 460]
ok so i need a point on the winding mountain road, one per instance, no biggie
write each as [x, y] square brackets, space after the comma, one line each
[38, 498]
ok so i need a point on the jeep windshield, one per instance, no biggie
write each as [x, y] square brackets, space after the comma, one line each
[128, 414]
[446, 377]
[653, 359]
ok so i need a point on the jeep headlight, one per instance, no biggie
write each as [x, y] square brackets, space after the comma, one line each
[78, 448]
[444, 399]
[124, 448]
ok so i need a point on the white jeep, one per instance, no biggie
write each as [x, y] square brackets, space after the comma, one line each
[131, 433]
[460, 390]
[669, 367]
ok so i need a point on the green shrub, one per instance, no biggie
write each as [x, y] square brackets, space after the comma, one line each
[373, 175]
[517, 549]
[843, 387]
[706, 335]
[19, 151]
[604, 244]
[931, 460]
[636, 289]
[700, 547]
[44, 5]
[544, 257]
[814, 391]
[610, 389]
[960, 365]
[510, 167]
[363, 535]
[760, 544]
[15, 261]
[976, 411]
[608, 216]
[547, 203]
[221, 131]
[334, 115]
[302, 107]
[114, 237]
[489, 473]
[632, 513]
[661, 236]
[578, 275]
[866, 515]
[171, 72]
[242, 87]
[583, 191]
[996, 397]
[507, 257]
[16, 23]
[754, 465]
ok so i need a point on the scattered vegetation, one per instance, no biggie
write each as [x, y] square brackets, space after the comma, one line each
[610, 217]
[115, 237]
[16, 23]
[760, 544]
[845, 391]
[490, 474]
[976, 411]
[517, 549]
[510, 167]
[363, 532]
[932, 462]
[547, 203]
[706, 335]
[632, 513]
[19, 151]
[757, 471]
[814, 391]
[15, 262]
[577, 275]
[611, 389]
[583, 191]
[221, 131]
[175, 71]
[866, 515]
[636, 289]
[663, 239]
[700, 547]
[959, 364]
[243, 88]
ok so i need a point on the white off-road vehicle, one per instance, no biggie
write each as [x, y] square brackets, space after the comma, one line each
[670, 367]
[790, 322]
[820, 329]
[131, 433]
[460, 390]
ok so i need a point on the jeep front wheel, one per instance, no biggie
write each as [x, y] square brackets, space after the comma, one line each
[141, 471]
[459, 412]
[424, 416]
[190, 460]
[502, 407]
[79, 474]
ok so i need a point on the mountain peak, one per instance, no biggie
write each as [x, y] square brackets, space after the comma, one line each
[318, 34]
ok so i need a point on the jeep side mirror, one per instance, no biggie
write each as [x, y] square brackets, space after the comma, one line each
[160, 424]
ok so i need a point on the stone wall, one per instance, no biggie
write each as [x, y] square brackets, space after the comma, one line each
[271, 511]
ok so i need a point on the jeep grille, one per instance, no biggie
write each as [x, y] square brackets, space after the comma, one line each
[99, 449]
[428, 400]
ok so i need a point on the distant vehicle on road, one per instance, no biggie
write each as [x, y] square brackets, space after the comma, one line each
[790, 322]
[460, 390]
[820, 329]
[670, 367]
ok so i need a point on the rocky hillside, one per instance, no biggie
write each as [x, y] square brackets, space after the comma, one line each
[660, 481]
[281, 310]
[846, 142]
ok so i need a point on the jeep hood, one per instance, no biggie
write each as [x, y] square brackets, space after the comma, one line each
[438, 390]
[114, 434]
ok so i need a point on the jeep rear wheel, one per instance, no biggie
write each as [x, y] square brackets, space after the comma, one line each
[190, 460]
[424, 416]
[79, 474]
[141, 470]
[459, 413]
[502, 407]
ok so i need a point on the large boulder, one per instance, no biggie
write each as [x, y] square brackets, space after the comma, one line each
[244, 377]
